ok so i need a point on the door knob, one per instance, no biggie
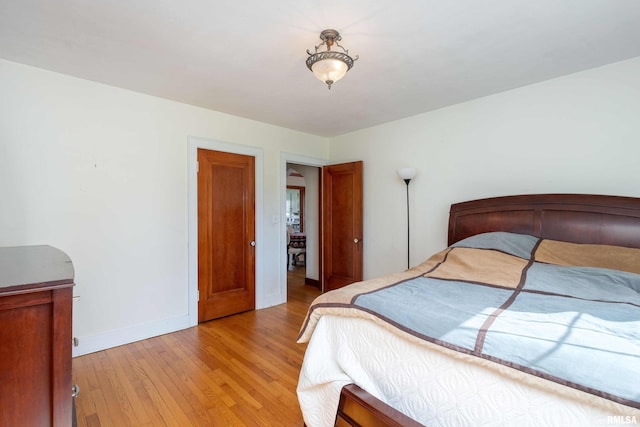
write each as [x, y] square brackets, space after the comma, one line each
[356, 240]
[252, 243]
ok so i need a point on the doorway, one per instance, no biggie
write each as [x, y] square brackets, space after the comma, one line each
[333, 233]
[294, 207]
[302, 222]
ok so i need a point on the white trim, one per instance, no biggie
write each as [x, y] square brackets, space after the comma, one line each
[285, 158]
[192, 164]
[129, 334]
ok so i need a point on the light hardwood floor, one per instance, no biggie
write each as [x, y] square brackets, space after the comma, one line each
[241, 370]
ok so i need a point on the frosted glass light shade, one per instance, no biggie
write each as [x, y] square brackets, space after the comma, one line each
[329, 70]
[406, 173]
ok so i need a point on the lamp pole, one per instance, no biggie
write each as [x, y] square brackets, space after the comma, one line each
[407, 181]
[407, 175]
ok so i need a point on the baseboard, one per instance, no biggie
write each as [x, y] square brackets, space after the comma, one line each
[312, 282]
[129, 334]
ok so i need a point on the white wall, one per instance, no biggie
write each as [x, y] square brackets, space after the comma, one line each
[101, 173]
[576, 134]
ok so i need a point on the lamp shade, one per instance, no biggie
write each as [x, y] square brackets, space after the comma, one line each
[329, 70]
[406, 173]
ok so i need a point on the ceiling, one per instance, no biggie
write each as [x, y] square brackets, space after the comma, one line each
[247, 57]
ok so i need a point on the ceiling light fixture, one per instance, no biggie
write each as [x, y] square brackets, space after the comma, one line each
[330, 66]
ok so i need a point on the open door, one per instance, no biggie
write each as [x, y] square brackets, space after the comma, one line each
[342, 210]
[226, 234]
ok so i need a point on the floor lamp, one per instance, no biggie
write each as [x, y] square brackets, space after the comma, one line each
[407, 175]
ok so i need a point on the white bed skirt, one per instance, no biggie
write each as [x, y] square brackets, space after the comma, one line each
[434, 388]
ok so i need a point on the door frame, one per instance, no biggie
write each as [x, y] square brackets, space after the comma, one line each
[193, 143]
[286, 157]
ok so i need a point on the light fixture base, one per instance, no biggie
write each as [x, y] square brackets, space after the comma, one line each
[330, 35]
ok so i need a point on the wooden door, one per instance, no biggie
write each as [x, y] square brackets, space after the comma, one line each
[226, 234]
[342, 209]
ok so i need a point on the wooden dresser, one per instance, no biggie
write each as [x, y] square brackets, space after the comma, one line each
[36, 292]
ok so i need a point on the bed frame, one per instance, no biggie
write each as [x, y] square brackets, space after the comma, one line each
[578, 218]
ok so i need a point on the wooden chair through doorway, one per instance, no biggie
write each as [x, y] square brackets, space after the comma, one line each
[296, 248]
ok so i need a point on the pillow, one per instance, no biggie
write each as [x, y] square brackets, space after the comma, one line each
[519, 245]
[589, 255]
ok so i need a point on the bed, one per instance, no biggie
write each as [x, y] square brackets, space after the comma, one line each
[530, 317]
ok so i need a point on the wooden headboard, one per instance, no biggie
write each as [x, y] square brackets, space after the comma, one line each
[579, 218]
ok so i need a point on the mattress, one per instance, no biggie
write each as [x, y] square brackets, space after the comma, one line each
[497, 330]
[434, 385]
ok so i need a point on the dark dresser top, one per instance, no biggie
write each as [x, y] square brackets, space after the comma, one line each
[25, 267]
